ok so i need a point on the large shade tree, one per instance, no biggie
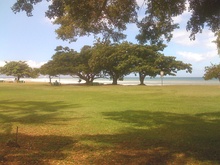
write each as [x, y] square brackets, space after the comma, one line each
[79, 18]
[66, 61]
[150, 62]
[145, 64]
[19, 69]
[115, 60]
[84, 69]
[110, 17]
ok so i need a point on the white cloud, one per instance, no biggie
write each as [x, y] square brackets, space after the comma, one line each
[34, 64]
[49, 21]
[182, 37]
[197, 57]
[2, 63]
[203, 40]
[140, 2]
[190, 56]
[183, 18]
[178, 19]
[208, 38]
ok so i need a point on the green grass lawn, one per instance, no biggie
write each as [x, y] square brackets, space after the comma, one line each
[109, 124]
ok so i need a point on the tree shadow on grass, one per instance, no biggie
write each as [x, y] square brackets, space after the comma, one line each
[31, 112]
[36, 150]
[161, 138]
[33, 149]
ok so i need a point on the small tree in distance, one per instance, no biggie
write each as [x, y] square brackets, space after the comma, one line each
[19, 69]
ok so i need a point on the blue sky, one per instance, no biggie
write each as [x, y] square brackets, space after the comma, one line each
[33, 39]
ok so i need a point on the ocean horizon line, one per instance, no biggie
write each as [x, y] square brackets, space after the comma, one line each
[128, 80]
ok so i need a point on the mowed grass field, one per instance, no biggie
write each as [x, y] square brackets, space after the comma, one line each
[146, 125]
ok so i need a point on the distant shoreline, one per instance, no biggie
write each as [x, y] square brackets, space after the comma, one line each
[127, 80]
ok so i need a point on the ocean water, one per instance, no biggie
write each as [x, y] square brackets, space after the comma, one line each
[170, 81]
[127, 80]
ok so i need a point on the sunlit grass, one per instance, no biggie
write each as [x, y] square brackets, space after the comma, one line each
[110, 124]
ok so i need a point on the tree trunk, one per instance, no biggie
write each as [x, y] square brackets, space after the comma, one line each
[115, 81]
[141, 78]
[50, 79]
[89, 80]
[18, 79]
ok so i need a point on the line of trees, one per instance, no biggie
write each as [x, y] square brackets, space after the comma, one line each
[114, 61]
[106, 61]
[108, 19]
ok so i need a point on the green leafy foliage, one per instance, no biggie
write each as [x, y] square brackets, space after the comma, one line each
[217, 41]
[158, 24]
[204, 13]
[150, 62]
[78, 18]
[145, 61]
[114, 61]
[49, 69]
[19, 69]
[212, 71]
[110, 17]
[170, 66]
[64, 60]
[84, 69]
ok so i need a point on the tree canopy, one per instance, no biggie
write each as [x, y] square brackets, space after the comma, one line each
[110, 17]
[150, 62]
[18, 69]
[66, 61]
[85, 71]
[211, 72]
[114, 61]
[49, 69]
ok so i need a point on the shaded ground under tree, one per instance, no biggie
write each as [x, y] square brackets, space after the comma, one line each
[149, 138]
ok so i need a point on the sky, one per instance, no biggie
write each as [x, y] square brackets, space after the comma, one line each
[33, 39]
